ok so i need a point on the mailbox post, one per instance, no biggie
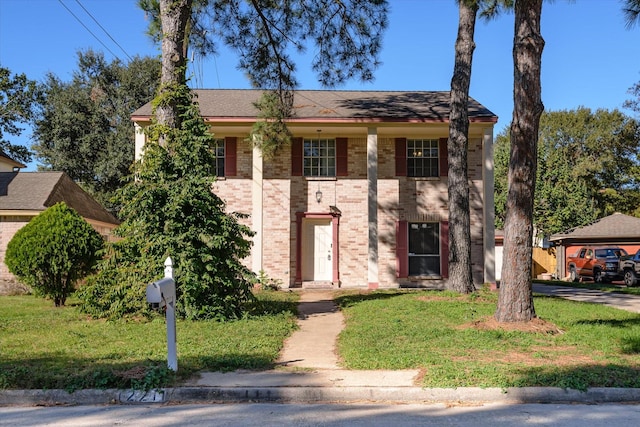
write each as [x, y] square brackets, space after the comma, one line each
[163, 293]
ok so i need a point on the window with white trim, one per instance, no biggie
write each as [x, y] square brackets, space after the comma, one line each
[424, 249]
[422, 157]
[218, 153]
[319, 157]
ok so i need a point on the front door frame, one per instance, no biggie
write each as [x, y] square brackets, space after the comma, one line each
[335, 226]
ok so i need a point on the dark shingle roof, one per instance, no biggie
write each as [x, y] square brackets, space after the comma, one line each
[36, 191]
[335, 105]
[613, 226]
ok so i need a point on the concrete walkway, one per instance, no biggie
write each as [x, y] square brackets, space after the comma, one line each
[309, 357]
[314, 344]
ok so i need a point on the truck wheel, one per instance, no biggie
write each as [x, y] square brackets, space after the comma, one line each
[630, 278]
[597, 276]
[573, 274]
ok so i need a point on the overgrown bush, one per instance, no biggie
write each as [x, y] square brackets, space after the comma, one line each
[170, 210]
[53, 251]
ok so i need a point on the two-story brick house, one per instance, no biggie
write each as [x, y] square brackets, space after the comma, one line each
[359, 199]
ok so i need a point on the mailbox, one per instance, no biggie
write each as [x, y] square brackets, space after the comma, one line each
[162, 292]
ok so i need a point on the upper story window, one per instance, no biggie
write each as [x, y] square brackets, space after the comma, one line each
[319, 157]
[218, 152]
[422, 157]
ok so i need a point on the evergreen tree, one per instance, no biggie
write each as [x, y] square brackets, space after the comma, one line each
[170, 210]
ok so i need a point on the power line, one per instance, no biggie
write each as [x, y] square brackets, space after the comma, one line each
[86, 28]
[105, 31]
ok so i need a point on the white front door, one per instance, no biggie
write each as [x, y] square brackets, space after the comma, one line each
[318, 250]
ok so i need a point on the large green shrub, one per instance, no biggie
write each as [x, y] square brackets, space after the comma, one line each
[170, 210]
[53, 251]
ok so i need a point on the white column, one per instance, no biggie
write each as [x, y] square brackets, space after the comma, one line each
[488, 213]
[372, 206]
[140, 139]
[256, 210]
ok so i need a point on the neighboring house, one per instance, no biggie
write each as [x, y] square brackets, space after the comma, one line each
[616, 230]
[23, 195]
[359, 198]
[7, 164]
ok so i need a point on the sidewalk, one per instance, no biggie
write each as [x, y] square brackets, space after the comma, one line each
[309, 372]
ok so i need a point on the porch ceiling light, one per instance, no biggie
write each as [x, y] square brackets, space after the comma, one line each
[318, 196]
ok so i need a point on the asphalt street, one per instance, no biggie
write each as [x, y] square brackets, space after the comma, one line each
[264, 415]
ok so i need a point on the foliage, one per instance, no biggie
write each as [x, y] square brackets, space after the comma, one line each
[170, 210]
[85, 353]
[347, 35]
[443, 335]
[631, 11]
[267, 283]
[18, 97]
[588, 167]
[53, 251]
[634, 103]
[85, 127]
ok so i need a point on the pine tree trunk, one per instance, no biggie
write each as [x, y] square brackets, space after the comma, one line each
[174, 16]
[515, 302]
[460, 274]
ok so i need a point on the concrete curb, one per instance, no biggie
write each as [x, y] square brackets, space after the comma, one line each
[472, 395]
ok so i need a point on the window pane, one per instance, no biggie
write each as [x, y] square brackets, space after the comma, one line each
[424, 249]
[319, 157]
[422, 157]
[217, 148]
[424, 266]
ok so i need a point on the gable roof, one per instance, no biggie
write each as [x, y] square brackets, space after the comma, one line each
[36, 191]
[616, 226]
[5, 159]
[329, 105]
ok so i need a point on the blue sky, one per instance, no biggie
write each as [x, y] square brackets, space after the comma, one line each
[590, 59]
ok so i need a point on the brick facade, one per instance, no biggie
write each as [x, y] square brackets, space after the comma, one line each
[399, 198]
[362, 224]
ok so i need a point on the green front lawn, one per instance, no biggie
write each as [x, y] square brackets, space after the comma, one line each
[46, 347]
[454, 340]
[451, 338]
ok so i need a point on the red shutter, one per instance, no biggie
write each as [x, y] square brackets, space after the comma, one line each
[230, 156]
[402, 249]
[342, 146]
[401, 156]
[444, 248]
[296, 157]
[443, 156]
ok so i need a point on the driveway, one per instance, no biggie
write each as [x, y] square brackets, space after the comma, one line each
[621, 301]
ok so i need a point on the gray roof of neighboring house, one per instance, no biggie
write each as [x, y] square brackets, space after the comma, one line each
[36, 191]
[335, 105]
[613, 226]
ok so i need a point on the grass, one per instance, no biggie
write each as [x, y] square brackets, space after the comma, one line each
[449, 337]
[46, 347]
[603, 287]
[453, 340]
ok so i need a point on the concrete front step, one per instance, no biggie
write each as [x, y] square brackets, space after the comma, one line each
[318, 285]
